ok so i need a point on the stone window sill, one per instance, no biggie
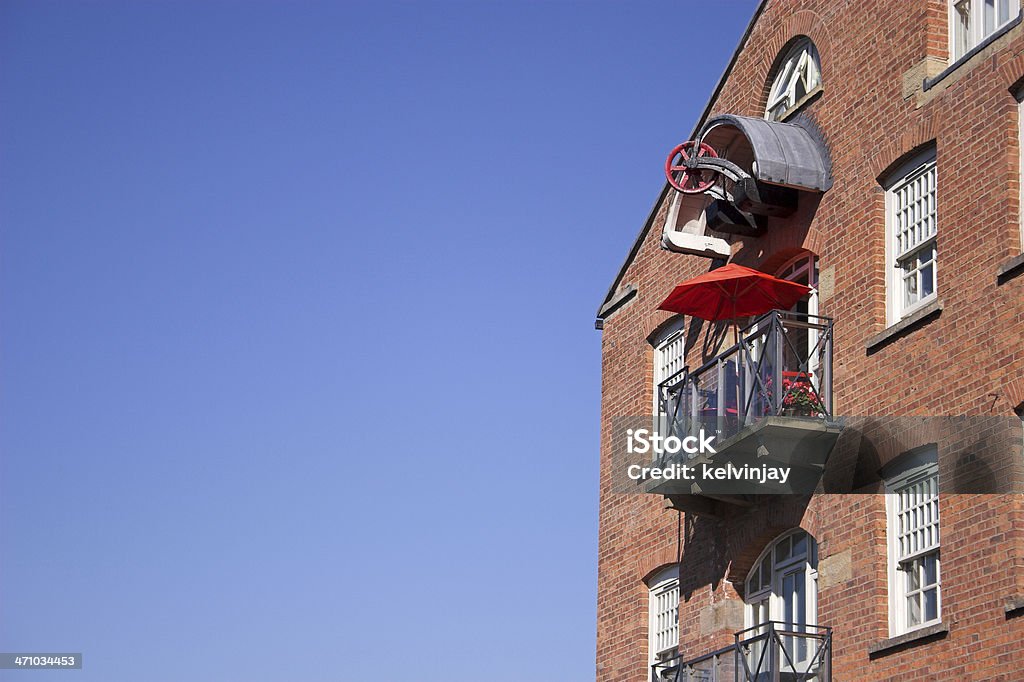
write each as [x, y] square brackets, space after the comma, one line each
[930, 83]
[905, 325]
[1010, 269]
[1014, 606]
[912, 638]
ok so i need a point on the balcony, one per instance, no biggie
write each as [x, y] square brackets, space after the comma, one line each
[767, 400]
[770, 652]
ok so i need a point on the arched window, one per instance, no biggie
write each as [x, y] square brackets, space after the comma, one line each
[797, 76]
[782, 587]
[663, 614]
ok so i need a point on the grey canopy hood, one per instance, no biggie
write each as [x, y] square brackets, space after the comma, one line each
[787, 154]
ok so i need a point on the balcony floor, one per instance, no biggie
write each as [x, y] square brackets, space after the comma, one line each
[803, 444]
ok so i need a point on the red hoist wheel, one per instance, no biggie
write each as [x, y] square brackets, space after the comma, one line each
[683, 176]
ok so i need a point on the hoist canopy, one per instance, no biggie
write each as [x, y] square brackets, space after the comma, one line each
[786, 154]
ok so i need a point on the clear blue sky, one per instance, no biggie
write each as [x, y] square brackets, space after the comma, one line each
[298, 369]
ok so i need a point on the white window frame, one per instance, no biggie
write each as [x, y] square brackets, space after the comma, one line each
[911, 227]
[663, 614]
[777, 568]
[913, 494]
[800, 67]
[972, 21]
[669, 354]
[1020, 166]
[767, 599]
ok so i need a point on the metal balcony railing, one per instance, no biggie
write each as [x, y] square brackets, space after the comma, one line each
[783, 652]
[717, 666]
[781, 365]
[769, 652]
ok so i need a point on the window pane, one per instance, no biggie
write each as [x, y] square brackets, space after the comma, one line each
[801, 599]
[930, 572]
[799, 544]
[927, 281]
[782, 551]
[788, 598]
[931, 604]
[913, 571]
[910, 287]
[962, 28]
[914, 609]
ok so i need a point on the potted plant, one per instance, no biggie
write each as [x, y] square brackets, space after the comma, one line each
[799, 399]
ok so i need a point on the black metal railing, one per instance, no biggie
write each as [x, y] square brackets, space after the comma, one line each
[769, 652]
[784, 652]
[780, 365]
[717, 666]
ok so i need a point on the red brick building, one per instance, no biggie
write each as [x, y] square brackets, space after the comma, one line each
[873, 155]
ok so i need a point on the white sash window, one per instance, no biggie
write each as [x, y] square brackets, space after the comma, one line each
[663, 623]
[971, 21]
[912, 506]
[912, 227]
[669, 355]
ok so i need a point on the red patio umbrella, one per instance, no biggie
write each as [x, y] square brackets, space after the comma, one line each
[733, 291]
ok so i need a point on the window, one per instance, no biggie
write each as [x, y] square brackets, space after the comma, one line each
[781, 584]
[669, 355]
[971, 21]
[663, 621]
[797, 77]
[912, 507]
[911, 227]
[782, 587]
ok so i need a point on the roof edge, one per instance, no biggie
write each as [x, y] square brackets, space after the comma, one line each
[700, 123]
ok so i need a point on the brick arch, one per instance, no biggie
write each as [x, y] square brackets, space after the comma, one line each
[656, 561]
[1011, 74]
[654, 321]
[812, 524]
[814, 241]
[755, 546]
[799, 24]
[890, 153]
[1014, 391]
[750, 538]
[772, 263]
[790, 241]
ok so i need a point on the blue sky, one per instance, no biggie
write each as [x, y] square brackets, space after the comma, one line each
[298, 374]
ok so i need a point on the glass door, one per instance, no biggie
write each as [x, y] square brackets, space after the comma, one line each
[801, 360]
[781, 590]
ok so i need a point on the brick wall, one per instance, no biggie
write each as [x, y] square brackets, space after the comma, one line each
[968, 360]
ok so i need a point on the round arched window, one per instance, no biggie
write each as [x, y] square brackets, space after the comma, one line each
[797, 76]
[782, 592]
